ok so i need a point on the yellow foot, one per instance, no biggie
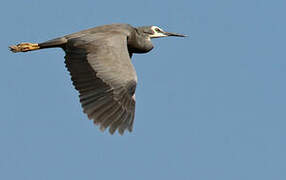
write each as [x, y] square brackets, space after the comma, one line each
[24, 47]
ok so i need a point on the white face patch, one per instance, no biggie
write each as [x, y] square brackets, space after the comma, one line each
[158, 32]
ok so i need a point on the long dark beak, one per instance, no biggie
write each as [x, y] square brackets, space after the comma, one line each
[174, 34]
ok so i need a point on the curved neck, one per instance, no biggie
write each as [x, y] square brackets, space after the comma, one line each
[139, 42]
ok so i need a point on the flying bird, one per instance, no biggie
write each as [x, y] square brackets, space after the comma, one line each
[99, 62]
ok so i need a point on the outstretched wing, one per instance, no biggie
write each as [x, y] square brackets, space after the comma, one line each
[101, 70]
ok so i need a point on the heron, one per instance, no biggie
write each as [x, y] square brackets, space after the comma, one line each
[99, 62]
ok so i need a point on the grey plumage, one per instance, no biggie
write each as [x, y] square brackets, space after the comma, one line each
[99, 61]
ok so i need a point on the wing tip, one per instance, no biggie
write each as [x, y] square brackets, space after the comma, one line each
[111, 130]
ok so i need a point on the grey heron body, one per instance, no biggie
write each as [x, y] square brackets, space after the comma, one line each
[99, 61]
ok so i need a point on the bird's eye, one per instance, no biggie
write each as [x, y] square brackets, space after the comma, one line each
[157, 30]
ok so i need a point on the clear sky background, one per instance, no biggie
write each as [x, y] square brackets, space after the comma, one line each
[209, 107]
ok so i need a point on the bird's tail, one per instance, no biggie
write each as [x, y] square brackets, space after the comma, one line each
[24, 47]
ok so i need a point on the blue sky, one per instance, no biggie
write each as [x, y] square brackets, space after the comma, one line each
[210, 106]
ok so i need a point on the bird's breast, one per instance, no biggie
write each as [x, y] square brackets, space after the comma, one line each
[140, 49]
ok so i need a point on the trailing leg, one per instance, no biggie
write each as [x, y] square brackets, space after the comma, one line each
[24, 47]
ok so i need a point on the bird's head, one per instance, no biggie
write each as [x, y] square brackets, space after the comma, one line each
[156, 32]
